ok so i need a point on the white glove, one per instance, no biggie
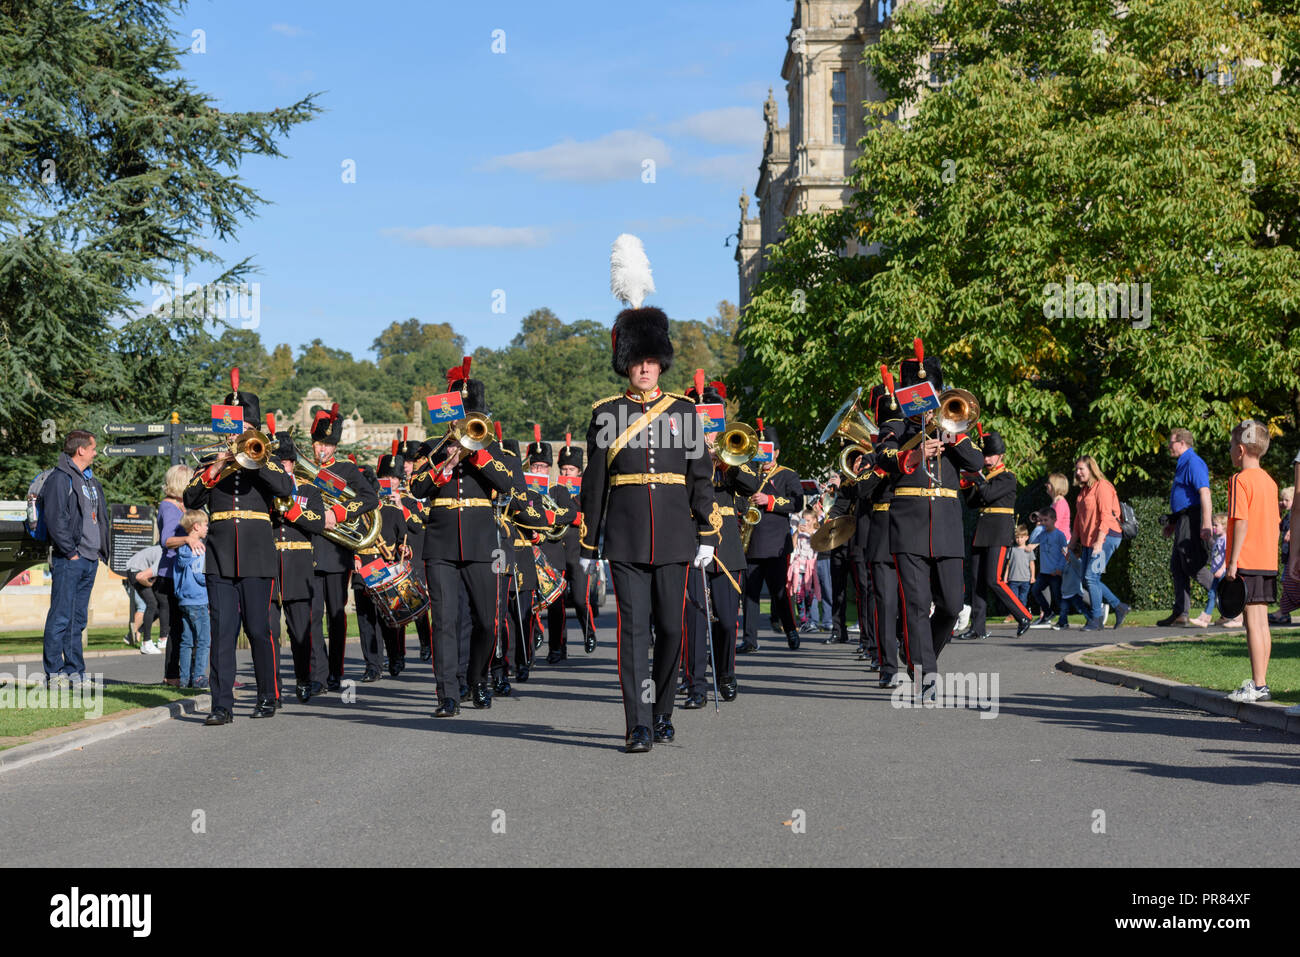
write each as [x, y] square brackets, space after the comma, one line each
[586, 564]
[703, 556]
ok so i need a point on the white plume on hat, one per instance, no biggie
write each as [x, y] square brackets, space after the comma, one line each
[629, 271]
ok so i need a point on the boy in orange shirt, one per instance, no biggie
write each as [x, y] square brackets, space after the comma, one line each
[1253, 531]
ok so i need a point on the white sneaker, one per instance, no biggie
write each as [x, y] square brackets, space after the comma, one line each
[1249, 691]
[150, 648]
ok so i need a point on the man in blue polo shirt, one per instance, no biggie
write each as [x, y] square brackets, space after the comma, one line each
[1188, 523]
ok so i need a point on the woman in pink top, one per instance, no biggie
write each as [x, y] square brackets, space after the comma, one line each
[1057, 486]
[1095, 536]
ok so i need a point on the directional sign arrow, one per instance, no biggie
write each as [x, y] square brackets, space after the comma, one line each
[141, 449]
[137, 429]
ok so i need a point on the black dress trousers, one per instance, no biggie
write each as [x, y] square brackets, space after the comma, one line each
[921, 581]
[659, 593]
[232, 602]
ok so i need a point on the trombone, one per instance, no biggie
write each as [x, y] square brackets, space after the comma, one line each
[472, 433]
[251, 449]
[737, 445]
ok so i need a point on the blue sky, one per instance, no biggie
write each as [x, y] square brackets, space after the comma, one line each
[479, 171]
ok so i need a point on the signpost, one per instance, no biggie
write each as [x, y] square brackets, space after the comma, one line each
[173, 439]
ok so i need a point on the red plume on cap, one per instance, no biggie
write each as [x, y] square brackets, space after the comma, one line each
[454, 375]
[498, 427]
[464, 367]
[699, 385]
[979, 427]
[760, 427]
[234, 379]
[270, 424]
[719, 387]
[406, 431]
[918, 348]
[568, 439]
[334, 412]
[537, 433]
[887, 377]
[352, 458]
[395, 443]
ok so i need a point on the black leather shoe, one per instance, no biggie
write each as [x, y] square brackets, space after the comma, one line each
[683, 688]
[426, 652]
[1172, 620]
[465, 694]
[482, 696]
[966, 635]
[589, 642]
[265, 708]
[663, 728]
[555, 657]
[372, 674]
[447, 709]
[693, 702]
[502, 687]
[316, 688]
[279, 702]
[219, 716]
[1023, 626]
[727, 689]
[537, 640]
[792, 639]
[396, 666]
[746, 647]
[521, 673]
[333, 683]
[638, 742]
[303, 691]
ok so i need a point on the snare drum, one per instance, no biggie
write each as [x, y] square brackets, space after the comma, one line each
[550, 581]
[399, 596]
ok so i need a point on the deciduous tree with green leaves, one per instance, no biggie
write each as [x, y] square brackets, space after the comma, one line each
[1067, 144]
[114, 170]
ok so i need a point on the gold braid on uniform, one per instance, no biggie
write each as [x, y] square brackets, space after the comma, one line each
[715, 522]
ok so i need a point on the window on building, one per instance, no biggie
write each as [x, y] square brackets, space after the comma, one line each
[884, 10]
[839, 108]
[936, 68]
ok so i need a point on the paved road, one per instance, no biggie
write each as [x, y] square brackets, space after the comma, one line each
[380, 782]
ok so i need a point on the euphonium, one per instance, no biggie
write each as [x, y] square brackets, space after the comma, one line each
[354, 534]
[737, 445]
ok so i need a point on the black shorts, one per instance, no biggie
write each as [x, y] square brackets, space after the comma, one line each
[1261, 587]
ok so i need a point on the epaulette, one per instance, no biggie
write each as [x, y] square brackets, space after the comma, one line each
[608, 398]
[678, 395]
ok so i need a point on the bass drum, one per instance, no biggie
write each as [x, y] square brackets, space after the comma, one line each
[550, 581]
[400, 597]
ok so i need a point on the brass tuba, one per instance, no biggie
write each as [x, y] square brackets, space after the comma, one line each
[354, 534]
[852, 425]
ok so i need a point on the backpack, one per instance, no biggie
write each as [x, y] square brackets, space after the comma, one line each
[1128, 521]
[35, 520]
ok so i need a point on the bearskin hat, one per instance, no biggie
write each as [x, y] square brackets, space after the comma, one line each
[641, 334]
[538, 451]
[471, 390]
[569, 455]
[327, 427]
[245, 400]
[390, 465]
[993, 443]
[284, 449]
[921, 368]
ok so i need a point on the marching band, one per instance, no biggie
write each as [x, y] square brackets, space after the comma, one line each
[468, 533]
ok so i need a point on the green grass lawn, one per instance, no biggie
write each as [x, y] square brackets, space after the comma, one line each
[109, 639]
[18, 723]
[1220, 663]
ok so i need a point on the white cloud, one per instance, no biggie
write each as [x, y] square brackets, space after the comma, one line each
[453, 237]
[740, 168]
[288, 29]
[614, 156]
[731, 125]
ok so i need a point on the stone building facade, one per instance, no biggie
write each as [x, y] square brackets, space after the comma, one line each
[807, 163]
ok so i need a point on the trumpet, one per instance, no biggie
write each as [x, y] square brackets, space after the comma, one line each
[472, 433]
[737, 445]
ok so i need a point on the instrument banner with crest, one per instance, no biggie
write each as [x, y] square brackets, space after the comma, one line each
[228, 419]
[713, 417]
[917, 399]
[765, 450]
[538, 483]
[445, 407]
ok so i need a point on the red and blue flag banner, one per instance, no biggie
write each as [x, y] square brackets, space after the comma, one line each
[538, 483]
[228, 419]
[810, 487]
[572, 482]
[445, 407]
[387, 486]
[765, 450]
[330, 481]
[713, 417]
[375, 573]
[917, 399]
